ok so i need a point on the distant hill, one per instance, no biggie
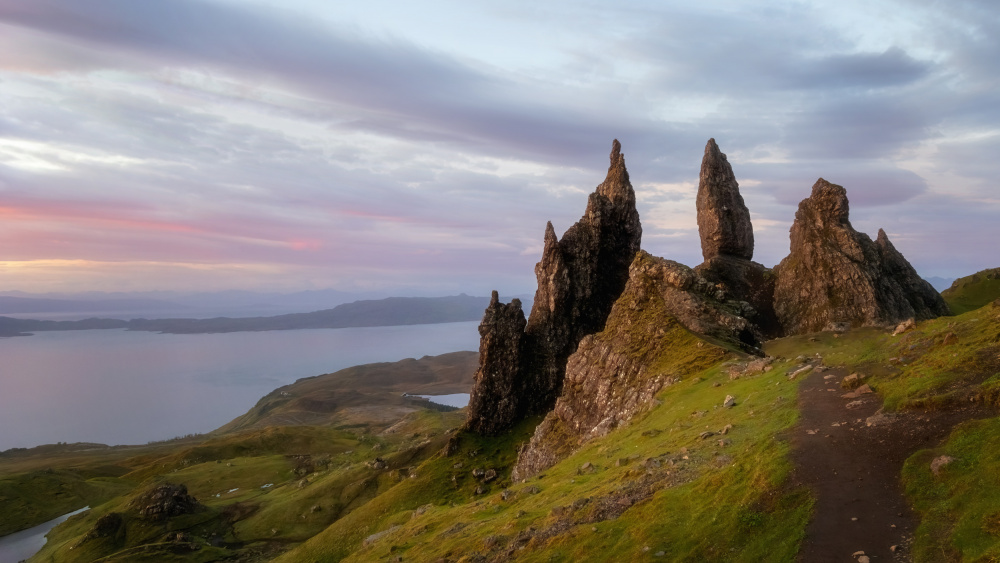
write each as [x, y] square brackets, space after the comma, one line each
[366, 394]
[392, 311]
[972, 292]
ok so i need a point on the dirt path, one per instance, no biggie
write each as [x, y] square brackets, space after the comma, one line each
[853, 463]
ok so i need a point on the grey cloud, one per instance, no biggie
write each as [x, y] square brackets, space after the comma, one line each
[868, 184]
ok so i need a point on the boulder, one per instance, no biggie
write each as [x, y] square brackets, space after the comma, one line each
[164, 501]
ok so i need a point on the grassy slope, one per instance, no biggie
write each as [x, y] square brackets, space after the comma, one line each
[720, 503]
[267, 474]
[972, 292]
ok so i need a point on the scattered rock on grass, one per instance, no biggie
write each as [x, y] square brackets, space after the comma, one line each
[729, 402]
[904, 326]
[940, 462]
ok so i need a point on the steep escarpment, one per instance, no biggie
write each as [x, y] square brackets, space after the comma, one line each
[727, 241]
[579, 279]
[650, 341]
[838, 277]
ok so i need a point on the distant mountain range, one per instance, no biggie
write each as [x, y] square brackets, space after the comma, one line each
[390, 311]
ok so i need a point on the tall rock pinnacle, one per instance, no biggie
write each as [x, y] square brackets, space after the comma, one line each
[495, 395]
[727, 241]
[835, 275]
[579, 279]
[723, 218]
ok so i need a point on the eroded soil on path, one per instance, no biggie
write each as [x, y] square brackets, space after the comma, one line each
[851, 456]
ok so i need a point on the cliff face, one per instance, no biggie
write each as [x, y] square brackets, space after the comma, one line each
[838, 277]
[650, 341]
[579, 278]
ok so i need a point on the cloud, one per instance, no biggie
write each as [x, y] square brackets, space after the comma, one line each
[199, 132]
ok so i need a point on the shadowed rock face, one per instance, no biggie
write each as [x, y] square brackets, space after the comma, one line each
[495, 403]
[579, 279]
[723, 218]
[838, 276]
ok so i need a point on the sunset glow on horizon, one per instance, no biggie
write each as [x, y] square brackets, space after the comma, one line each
[210, 144]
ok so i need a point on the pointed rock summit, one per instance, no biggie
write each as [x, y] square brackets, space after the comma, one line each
[723, 217]
[579, 279]
[836, 277]
[727, 242]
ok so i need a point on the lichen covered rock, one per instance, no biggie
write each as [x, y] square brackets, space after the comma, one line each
[164, 501]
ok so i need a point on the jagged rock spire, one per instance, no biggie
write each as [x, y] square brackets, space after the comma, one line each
[495, 401]
[579, 278]
[723, 217]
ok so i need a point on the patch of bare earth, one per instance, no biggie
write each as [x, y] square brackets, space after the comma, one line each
[851, 456]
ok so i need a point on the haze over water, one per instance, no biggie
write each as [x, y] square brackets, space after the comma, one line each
[120, 387]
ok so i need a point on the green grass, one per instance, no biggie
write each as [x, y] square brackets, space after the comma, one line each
[28, 499]
[960, 507]
[972, 292]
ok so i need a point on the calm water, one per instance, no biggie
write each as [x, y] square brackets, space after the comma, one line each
[457, 400]
[24, 544]
[119, 387]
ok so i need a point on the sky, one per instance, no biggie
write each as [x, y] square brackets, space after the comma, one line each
[420, 147]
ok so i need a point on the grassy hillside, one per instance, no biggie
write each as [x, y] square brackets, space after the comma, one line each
[656, 485]
[972, 292]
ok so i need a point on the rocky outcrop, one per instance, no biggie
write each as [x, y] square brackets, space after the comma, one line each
[579, 279]
[495, 403]
[747, 281]
[838, 277]
[723, 218]
[649, 342]
[727, 241]
[164, 501]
